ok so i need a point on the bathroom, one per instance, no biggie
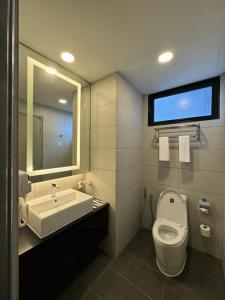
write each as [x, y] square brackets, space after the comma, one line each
[112, 150]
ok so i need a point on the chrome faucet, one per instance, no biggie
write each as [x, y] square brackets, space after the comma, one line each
[54, 187]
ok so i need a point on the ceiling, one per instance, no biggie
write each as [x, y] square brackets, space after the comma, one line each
[128, 35]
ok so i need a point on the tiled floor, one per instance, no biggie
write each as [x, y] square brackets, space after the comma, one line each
[134, 276]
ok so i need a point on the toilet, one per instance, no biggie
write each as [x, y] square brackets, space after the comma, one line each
[170, 232]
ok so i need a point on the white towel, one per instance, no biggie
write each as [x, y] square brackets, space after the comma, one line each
[184, 148]
[164, 152]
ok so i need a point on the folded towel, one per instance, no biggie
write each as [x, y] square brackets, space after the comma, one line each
[184, 148]
[164, 152]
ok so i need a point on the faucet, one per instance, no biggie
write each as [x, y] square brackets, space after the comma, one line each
[54, 187]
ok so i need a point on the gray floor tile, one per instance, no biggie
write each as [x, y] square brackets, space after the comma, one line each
[206, 264]
[90, 296]
[145, 235]
[111, 286]
[203, 285]
[176, 291]
[94, 270]
[151, 282]
[142, 251]
[77, 289]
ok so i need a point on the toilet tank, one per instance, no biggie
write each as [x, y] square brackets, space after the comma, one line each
[172, 206]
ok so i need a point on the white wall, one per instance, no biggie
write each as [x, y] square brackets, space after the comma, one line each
[128, 176]
[116, 156]
[202, 178]
[103, 150]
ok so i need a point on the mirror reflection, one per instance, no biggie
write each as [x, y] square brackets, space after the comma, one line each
[54, 117]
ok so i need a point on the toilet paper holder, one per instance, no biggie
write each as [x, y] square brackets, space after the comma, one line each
[203, 206]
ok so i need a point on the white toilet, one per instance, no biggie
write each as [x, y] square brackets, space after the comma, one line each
[170, 232]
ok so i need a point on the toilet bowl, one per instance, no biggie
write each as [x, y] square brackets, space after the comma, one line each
[170, 233]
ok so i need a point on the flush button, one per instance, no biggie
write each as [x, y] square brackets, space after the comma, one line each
[171, 200]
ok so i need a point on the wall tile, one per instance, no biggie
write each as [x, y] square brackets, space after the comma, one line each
[216, 212]
[209, 182]
[104, 91]
[150, 157]
[104, 115]
[161, 175]
[206, 159]
[128, 138]
[209, 246]
[103, 159]
[128, 216]
[127, 158]
[103, 184]
[127, 118]
[103, 137]
[127, 178]
[128, 95]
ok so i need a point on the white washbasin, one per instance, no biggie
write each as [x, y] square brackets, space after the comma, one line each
[48, 214]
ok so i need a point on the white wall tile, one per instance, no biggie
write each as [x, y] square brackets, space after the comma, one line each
[128, 95]
[127, 158]
[104, 115]
[103, 91]
[128, 118]
[128, 216]
[127, 178]
[150, 157]
[161, 175]
[206, 160]
[128, 138]
[104, 159]
[103, 137]
[209, 182]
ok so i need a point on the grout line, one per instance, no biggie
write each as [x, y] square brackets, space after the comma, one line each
[164, 289]
[145, 264]
[131, 283]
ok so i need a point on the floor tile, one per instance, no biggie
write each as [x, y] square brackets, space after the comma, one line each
[151, 282]
[203, 285]
[144, 252]
[176, 291]
[112, 286]
[90, 296]
[76, 290]
[206, 264]
[145, 235]
[94, 270]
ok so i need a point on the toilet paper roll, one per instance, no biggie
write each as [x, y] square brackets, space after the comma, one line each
[205, 230]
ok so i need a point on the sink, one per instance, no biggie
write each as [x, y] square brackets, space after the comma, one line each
[48, 214]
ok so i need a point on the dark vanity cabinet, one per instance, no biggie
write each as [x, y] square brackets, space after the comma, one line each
[48, 268]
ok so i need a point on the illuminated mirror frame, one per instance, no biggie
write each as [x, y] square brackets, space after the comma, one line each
[31, 63]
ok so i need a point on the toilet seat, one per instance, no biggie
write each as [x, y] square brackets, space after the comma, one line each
[169, 233]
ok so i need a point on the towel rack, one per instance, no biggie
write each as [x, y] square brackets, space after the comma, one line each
[173, 132]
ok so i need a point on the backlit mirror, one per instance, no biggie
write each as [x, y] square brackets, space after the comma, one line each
[54, 115]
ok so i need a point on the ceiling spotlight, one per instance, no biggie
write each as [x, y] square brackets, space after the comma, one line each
[165, 57]
[51, 71]
[62, 101]
[67, 57]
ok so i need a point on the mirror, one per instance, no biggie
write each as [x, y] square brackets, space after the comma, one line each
[54, 118]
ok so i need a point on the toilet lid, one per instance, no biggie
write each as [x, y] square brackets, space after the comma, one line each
[169, 233]
[172, 206]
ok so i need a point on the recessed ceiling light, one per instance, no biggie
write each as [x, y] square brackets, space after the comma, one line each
[51, 71]
[67, 57]
[62, 101]
[165, 57]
